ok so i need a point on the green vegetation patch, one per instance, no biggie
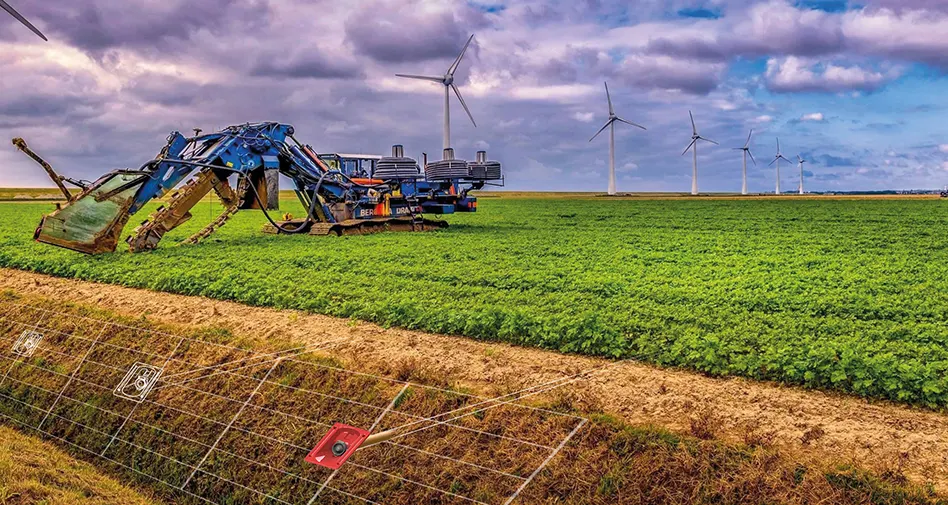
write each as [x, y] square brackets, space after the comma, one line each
[850, 295]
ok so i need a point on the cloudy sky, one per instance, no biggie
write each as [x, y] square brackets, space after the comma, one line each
[859, 90]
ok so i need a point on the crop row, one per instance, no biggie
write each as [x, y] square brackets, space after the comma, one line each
[835, 294]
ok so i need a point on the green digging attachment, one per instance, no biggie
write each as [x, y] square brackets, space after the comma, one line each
[92, 222]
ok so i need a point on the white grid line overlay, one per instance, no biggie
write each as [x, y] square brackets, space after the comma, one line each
[265, 391]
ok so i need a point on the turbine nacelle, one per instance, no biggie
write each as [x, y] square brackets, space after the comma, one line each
[613, 118]
[446, 80]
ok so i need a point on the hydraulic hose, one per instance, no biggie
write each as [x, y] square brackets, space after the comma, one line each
[309, 212]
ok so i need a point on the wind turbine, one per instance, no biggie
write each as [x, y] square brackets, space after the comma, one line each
[9, 8]
[611, 124]
[693, 146]
[776, 160]
[802, 161]
[447, 80]
[747, 152]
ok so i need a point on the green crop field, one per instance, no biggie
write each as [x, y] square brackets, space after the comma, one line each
[849, 295]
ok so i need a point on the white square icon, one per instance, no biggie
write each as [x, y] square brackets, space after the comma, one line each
[138, 382]
[26, 345]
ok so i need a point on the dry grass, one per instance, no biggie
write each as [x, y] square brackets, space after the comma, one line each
[608, 462]
[39, 473]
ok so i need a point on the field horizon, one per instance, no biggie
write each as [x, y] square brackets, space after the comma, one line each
[841, 294]
[52, 194]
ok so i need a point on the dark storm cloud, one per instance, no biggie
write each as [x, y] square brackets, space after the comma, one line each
[691, 48]
[310, 63]
[533, 80]
[98, 25]
[400, 32]
[670, 74]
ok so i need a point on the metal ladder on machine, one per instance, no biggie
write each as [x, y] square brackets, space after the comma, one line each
[417, 219]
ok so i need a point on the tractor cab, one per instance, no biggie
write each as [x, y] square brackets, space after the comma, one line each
[356, 166]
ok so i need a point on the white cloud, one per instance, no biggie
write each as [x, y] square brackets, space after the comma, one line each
[628, 167]
[763, 119]
[816, 117]
[585, 117]
[796, 74]
[943, 148]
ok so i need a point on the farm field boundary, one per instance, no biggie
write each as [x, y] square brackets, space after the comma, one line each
[815, 423]
[618, 463]
[848, 295]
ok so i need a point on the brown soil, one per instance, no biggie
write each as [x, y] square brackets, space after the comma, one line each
[879, 435]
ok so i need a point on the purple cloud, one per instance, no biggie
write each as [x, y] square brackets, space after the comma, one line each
[399, 32]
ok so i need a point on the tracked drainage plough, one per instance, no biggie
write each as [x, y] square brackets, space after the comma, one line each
[339, 196]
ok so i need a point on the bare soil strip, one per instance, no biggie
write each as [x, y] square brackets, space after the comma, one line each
[880, 435]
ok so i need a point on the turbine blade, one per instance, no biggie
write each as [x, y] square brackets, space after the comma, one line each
[419, 77]
[9, 8]
[693, 142]
[749, 138]
[772, 162]
[458, 93]
[609, 99]
[709, 140]
[454, 66]
[752, 157]
[694, 128]
[609, 122]
[631, 123]
[778, 145]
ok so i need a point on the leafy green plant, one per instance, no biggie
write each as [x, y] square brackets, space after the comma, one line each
[850, 295]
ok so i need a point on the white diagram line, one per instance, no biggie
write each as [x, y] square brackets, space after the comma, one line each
[71, 377]
[16, 360]
[541, 388]
[303, 449]
[85, 359]
[546, 462]
[378, 377]
[534, 393]
[292, 352]
[135, 407]
[233, 419]
[273, 355]
[378, 419]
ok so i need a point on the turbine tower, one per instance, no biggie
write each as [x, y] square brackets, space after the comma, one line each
[693, 146]
[447, 80]
[776, 160]
[9, 8]
[611, 124]
[747, 152]
[802, 161]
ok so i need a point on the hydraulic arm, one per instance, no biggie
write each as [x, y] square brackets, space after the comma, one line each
[92, 220]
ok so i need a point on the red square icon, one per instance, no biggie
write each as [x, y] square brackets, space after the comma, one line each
[337, 446]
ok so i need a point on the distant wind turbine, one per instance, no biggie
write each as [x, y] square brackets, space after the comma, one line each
[611, 124]
[448, 81]
[747, 152]
[693, 146]
[9, 8]
[802, 161]
[776, 160]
